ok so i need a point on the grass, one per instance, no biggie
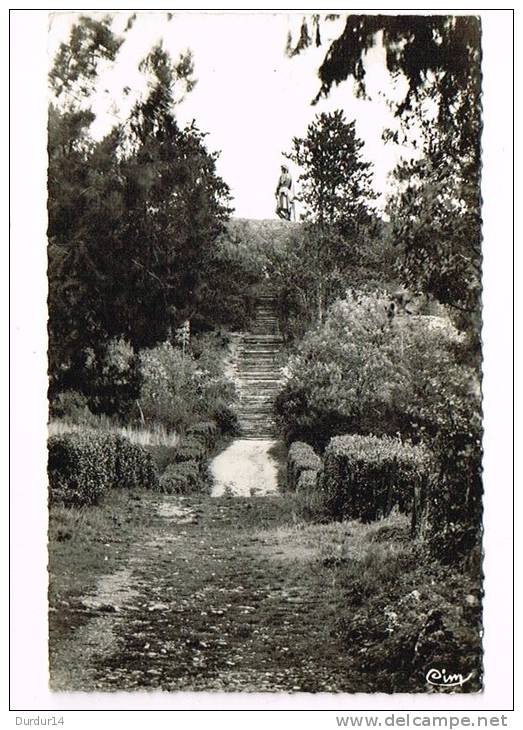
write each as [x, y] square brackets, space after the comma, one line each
[397, 612]
[154, 435]
[405, 612]
[341, 606]
[87, 542]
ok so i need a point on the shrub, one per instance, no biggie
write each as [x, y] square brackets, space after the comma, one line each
[190, 449]
[370, 371]
[360, 372]
[72, 406]
[179, 390]
[206, 432]
[449, 509]
[301, 459]
[134, 466]
[307, 481]
[82, 465]
[165, 395]
[226, 419]
[181, 478]
[366, 476]
[115, 380]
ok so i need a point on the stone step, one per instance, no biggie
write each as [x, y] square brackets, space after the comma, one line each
[251, 397]
[261, 353]
[267, 367]
[258, 387]
[255, 409]
[258, 370]
[265, 357]
[253, 381]
[262, 346]
[249, 407]
[261, 379]
[259, 337]
[252, 368]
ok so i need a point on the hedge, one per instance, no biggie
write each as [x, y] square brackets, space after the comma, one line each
[307, 481]
[188, 472]
[82, 465]
[301, 458]
[366, 476]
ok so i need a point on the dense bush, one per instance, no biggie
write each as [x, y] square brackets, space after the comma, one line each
[370, 370]
[449, 510]
[134, 466]
[308, 481]
[190, 449]
[363, 372]
[179, 390]
[188, 472]
[181, 478]
[366, 476]
[83, 465]
[206, 432]
[162, 455]
[114, 379]
[73, 407]
[226, 419]
[301, 459]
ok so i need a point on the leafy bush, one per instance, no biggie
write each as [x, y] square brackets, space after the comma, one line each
[362, 372]
[134, 466]
[403, 613]
[307, 481]
[366, 476]
[84, 464]
[161, 455]
[179, 390]
[226, 419]
[181, 478]
[190, 449]
[300, 460]
[449, 509]
[115, 379]
[206, 432]
[73, 407]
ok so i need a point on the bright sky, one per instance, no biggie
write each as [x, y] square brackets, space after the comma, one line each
[250, 97]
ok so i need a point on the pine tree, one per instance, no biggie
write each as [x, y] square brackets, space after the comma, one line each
[336, 192]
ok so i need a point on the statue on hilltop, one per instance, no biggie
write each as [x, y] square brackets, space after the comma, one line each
[285, 195]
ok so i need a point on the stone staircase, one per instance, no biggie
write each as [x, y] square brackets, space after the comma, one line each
[259, 372]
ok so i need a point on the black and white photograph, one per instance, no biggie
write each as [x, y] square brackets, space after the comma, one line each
[264, 359]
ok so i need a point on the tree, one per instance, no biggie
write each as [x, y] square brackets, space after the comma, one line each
[336, 191]
[75, 68]
[132, 222]
[335, 181]
[436, 225]
[437, 206]
[421, 47]
[81, 199]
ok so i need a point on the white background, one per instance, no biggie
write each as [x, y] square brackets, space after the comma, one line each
[29, 413]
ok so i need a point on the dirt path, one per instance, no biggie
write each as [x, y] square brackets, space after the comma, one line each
[220, 594]
[245, 469]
